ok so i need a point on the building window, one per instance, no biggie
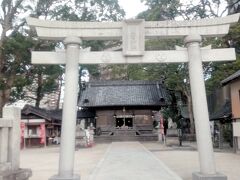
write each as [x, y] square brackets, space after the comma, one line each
[32, 130]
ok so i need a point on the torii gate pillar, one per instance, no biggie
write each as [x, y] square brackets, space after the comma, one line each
[66, 161]
[200, 111]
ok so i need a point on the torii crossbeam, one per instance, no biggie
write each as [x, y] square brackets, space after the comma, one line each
[133, 34]
[59, 30]
[106, 57]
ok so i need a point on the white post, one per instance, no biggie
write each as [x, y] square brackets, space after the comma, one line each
[200, 108]
[3, 145]
[14, 135]
[66, 162]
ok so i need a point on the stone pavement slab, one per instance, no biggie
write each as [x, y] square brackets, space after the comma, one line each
[131, 160]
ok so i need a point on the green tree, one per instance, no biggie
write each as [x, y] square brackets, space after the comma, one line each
[221, 70]
[15, 46]
[9, 11]
[176, 75]
[14, 68]
[160, 10]
[16, 72]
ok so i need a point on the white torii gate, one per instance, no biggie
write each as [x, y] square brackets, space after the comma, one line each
[133, 34]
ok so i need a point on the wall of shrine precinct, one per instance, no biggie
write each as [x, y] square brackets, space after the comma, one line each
[10, 146]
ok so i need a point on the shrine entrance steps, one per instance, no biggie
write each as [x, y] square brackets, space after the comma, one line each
[131, 160]
[129, 134]
[117, 138]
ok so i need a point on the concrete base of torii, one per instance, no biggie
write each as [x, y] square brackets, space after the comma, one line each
[56, 177]
[200, 176]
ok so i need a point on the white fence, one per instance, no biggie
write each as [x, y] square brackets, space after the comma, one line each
[10, 145]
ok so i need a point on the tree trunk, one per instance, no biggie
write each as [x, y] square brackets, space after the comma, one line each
[4, 98]
[39, 95]
[60, 91]
[5, 92]
[190, 112]
[2, 103]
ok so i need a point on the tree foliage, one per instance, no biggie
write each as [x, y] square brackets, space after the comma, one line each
[160, 10]
[176, 75]
[17, 41]
[218, 71]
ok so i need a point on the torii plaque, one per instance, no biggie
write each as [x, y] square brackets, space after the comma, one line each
[133, 34]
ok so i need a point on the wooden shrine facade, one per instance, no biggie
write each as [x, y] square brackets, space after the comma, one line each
[124, 109]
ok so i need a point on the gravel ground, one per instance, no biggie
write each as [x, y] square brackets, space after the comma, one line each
[183, 161]
[44, 161]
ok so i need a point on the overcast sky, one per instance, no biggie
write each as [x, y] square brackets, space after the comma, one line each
[132, 7]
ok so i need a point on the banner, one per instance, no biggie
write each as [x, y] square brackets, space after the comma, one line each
[161, 125]
[42, 133]
[22, 127]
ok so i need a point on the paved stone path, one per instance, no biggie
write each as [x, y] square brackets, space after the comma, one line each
[131, 160]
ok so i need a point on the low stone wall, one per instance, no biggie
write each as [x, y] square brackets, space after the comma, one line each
[20, 174]
[10, 146]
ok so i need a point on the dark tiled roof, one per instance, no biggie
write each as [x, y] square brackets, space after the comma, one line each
[34, 112]
[57, 114]
[223, 112]
[231, 78]
[31, 111]
[123, 93]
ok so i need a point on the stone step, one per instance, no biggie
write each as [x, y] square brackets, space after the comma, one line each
[151, 137]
